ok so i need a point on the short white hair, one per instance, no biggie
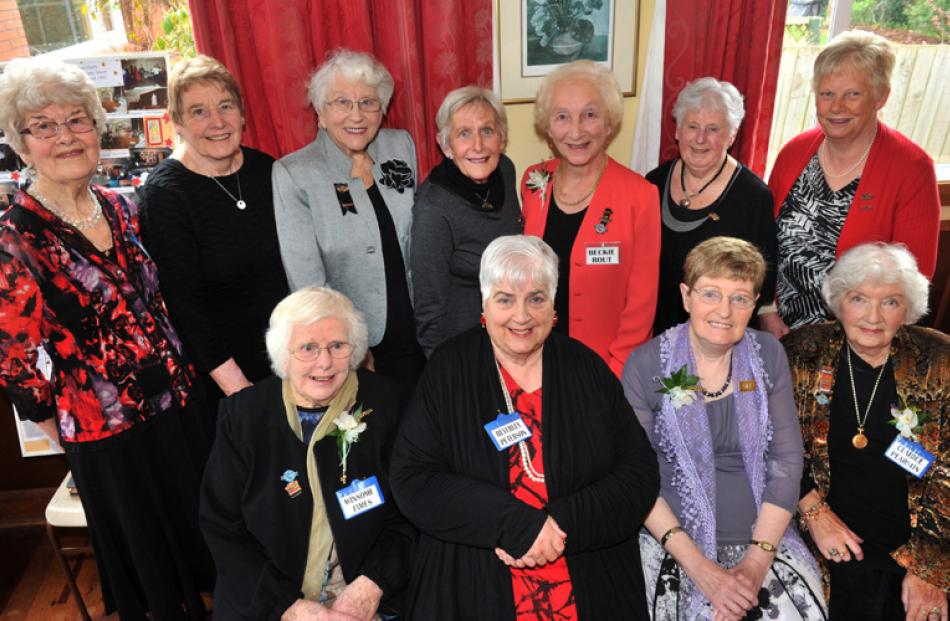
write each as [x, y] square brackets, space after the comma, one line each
[28, 85]
[354, 67]
[519, 259]
[880, 264]
[461, 97]
[305, 307]
[710, 94]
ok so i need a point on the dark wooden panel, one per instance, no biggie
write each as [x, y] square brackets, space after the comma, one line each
[20, 473]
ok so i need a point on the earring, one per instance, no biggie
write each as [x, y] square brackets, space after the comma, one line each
[481, 320]
[554, 321]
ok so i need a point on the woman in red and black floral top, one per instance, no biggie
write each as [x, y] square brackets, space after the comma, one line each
[87, 350]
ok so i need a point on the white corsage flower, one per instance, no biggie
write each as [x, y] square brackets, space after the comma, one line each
[538, 181]
[906, 421]
[681, 387]
[681, 396]
[347, 432]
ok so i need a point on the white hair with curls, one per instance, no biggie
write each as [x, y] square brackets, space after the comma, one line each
[519, 259]
[354, 67]
[28, 85]
[305, 307]
[710, 94]
[880, 264]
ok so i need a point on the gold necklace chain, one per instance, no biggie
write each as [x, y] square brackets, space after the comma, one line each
[859, 440]
[564, 203]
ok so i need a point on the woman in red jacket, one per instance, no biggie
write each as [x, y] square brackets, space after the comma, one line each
[849, 181]
[601, 218]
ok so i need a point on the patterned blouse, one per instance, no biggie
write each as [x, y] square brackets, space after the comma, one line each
[84, 337]
[541, 593]
[808, 228]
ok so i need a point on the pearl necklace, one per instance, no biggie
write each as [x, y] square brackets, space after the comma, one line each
[534, 475]
[79, 223]
[860, 161]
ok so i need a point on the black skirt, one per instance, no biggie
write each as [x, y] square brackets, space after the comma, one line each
[139, 490]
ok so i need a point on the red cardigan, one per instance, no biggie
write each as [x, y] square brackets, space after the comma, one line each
[897, 199]
[612, 306]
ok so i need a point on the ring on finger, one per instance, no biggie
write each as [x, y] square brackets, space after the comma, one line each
[833, 552]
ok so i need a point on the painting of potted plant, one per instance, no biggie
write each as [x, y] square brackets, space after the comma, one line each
[560, 31]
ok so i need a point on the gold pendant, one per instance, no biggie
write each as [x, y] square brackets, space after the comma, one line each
[859, 440]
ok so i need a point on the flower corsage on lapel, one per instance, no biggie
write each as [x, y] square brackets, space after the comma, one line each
[681, 387]
[908, 419]
[538, 181]
[396, 175]
[347, 432]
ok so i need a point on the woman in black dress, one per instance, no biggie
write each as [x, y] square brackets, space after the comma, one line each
[208, 221]
[705, 192]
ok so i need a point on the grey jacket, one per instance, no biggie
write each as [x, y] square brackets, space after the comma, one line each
[322, 245]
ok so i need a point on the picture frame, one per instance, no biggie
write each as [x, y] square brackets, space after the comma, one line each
[154, 136]
[533, 37]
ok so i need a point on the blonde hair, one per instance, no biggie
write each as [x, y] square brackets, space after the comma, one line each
[199, 70]
[599, 76]
[867, 53]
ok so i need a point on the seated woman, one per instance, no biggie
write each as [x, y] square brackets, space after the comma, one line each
[532, 514]
[716, 401]
[295, 504]
[865, 384]
[208, 220]
[706, 192]
[344, 208]
[468, 200]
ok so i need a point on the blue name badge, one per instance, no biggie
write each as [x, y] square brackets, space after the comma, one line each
[359, 497]
[910, 456]
[507, 430]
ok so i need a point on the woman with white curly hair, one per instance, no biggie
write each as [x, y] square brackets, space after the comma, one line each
[873, 395]
[296, 504]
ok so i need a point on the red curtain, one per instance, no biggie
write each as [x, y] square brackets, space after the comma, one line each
[739, 41]
[429, 46]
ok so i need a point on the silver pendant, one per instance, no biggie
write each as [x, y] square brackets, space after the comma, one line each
[685, 203]
[241, 204]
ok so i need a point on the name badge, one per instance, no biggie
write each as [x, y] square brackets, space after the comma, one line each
[507, 430]
[747, 386]
[359, 497]
[910, 456]
[603, 254]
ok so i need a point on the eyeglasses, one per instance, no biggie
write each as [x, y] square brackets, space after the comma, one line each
[308, 352]
[714, 296]
[344, 105]
[47, 129]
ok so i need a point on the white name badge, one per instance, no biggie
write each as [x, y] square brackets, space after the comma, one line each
[359, 497]
[507, 430]
[910, 456]
[603, 254]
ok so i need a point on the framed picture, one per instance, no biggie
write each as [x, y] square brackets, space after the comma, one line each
[536, 36]
[153, 132]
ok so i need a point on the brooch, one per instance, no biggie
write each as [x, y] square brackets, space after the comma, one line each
[601, 227]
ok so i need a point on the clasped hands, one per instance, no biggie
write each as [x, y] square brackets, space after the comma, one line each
[357, 602]
[548, 546]
[733, 592]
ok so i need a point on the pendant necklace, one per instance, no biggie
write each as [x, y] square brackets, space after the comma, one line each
[689, 197]
[859, 440]
[484, 203]
[79, 223]
[529, 470]
[239, 199]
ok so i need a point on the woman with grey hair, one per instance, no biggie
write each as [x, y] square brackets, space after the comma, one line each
[873, 395]
[705, 192]
[87, 350]
[467, 201]
[295, 505]
[344, 204]
[525, 510]
[849, 181]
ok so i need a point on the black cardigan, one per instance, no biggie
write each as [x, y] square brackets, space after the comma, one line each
[258, 534]
[449, 480]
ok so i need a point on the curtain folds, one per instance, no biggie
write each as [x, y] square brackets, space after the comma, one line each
[429, 46]
[739, 41]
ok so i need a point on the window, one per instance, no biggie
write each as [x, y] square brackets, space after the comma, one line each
[54, 24]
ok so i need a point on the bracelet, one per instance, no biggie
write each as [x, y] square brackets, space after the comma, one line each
[764, 545]
[666, 536]
[815, 510]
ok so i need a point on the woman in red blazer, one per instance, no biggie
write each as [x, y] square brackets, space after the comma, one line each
[849, 181]
[602, 219]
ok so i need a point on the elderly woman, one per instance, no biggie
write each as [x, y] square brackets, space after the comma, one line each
[87, 351]
[873, 393]
[468, 200]
[208, 221]
[716, 401]
[601, 219]
[528, 510]
[706, 192]
[849, 181]
[295, 504]
[344, 208]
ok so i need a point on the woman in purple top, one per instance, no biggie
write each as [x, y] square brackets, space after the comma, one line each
[716, 401]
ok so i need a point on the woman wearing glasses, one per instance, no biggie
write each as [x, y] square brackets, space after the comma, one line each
[716, 401]
[344, 208]
[296, 505]
[208, 221]
[88, 352]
